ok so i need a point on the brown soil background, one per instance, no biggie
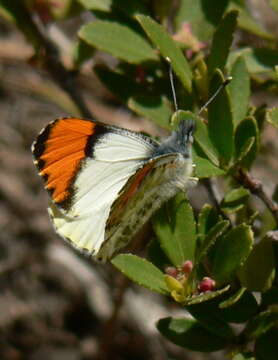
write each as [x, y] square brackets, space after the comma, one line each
[54, 303]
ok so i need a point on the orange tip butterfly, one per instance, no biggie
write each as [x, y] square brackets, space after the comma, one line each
[105, 182]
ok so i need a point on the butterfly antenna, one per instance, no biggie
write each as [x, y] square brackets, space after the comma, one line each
[221, 87]
[171, 76]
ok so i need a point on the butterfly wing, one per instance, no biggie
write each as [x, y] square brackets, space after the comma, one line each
[85, 165]
[151, 185]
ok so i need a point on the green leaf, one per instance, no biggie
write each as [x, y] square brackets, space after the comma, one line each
[246, 130]
[64, 9]
[272, 116]
[266, 346]
[220, 120]
[239, 308]
[204, 167]
[233, 299]
[155, 108]
[231, 251]
[208, 314]
[203, 140]
[208, 217]
[119, 84]
[216, 231]
[141, 271]
[81, 53]
[119, 40]
[261, 324]
[175, 228]
[244, 151]
[221, 42]
[190, 334]
[209, 295]
[202, 16]
[239, 90]
[168, 48]
[274, 4]
[235, 200]
[260, 116]
[258, 60]
[257, 274]
[245, 20]
[129, 8]
[102, 5]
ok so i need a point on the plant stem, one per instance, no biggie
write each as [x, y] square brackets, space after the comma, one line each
[255, 187]
[214, 196]
[111, 326]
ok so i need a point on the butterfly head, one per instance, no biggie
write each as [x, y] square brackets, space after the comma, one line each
[179, 141]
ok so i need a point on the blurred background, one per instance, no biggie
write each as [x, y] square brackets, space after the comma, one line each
[54, 303]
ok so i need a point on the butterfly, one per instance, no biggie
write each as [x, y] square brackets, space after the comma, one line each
[105, 181]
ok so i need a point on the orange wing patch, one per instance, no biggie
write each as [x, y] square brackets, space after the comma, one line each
[128, 191]
[59, 151]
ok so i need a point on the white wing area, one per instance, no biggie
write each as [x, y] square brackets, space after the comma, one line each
[116, 157]
[124, 146]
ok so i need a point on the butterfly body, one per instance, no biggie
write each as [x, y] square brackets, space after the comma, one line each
[105, 182]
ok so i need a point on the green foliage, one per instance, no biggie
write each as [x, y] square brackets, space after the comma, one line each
[239, 90]
[190, 334]
[217, 240]
[246, 142]
[221, 42]
[235, 200]
[141, 271]
[103, 5]
[119, 40]
[155, 108]
[168, 49]
[261, 257]
[231, 251]
[219, 124]
[175, 227]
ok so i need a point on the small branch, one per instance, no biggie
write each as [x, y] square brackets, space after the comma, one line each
[63, 77]
[111, 326]
[255, 186]
[214, 196]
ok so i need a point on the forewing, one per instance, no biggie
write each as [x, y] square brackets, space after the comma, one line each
[85, 164]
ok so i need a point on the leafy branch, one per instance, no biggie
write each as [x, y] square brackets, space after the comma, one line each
[255, 186]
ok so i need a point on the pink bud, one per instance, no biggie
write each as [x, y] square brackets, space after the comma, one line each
[206, 284]
[172, 271]
[187, 267]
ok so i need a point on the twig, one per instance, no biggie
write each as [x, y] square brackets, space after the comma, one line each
[111, 326]
[214, 196]
[255, 186]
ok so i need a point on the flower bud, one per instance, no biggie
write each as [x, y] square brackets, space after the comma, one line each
[187, 267]
[172, 271]
[206, 284]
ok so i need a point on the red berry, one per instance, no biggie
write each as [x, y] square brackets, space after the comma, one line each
[172, 271]
[187, 267]
[206, 284]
